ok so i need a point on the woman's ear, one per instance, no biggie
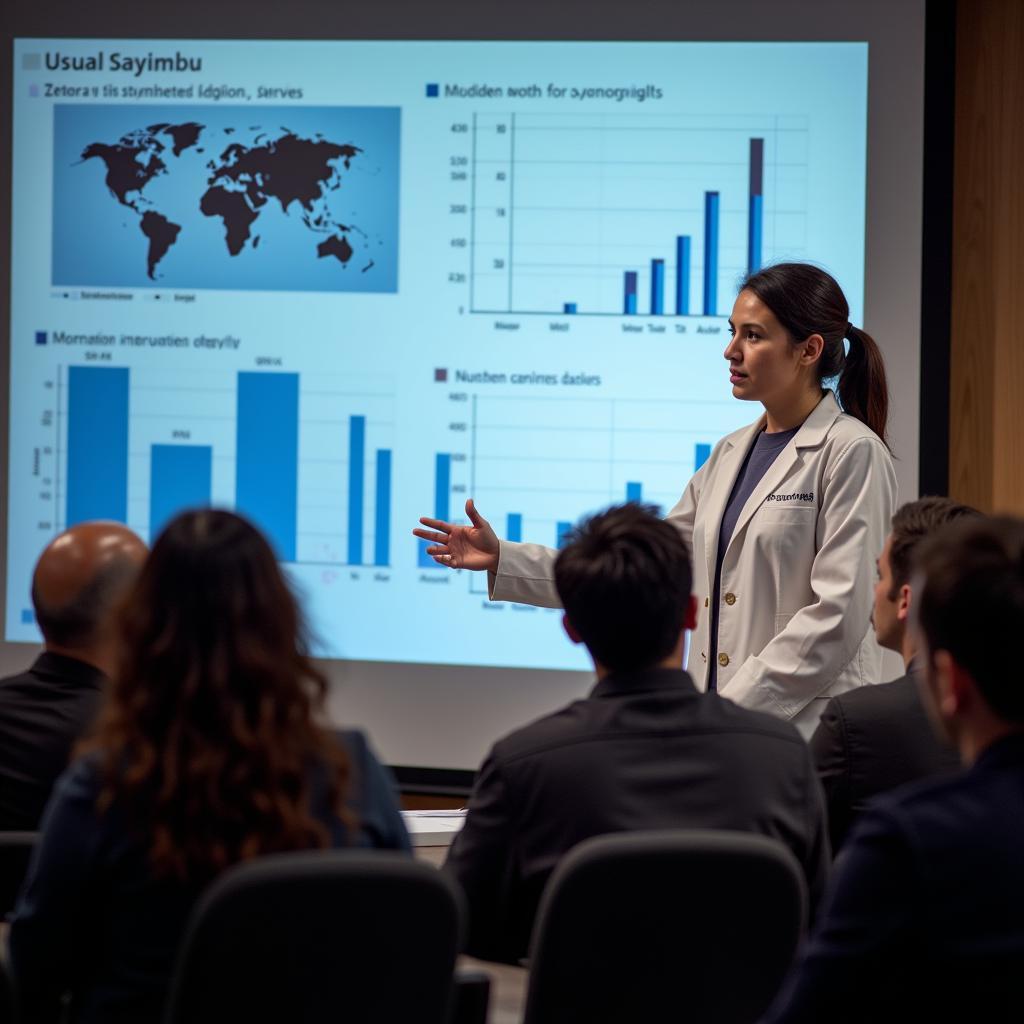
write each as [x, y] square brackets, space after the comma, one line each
[812, 348]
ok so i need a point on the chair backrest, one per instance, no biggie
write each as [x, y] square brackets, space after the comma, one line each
[7, 1004]
[15, 853]
[688, 926]
[340, 935]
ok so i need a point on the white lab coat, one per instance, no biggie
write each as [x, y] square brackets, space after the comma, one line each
[798, 574]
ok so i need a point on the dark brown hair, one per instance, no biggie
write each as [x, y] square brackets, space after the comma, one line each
[912, 523]
[207, 740]
[806, 300]
[971, 604]
[624, 580]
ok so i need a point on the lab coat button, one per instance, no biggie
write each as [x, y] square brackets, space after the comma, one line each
[723, 660]
[706, 601]
[730, 599]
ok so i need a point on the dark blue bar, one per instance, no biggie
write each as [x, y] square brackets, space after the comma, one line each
[382, 511]
[755, 218]
[514, 530]
[180, 477]
[356, 480]
[634, 492]
[657, 287]
[710, 253]
[701, 454]
[97, 444]
[629, 296]
[442, 502]
[683, 275]
[569, 307]
[560, 531]
[267, 460]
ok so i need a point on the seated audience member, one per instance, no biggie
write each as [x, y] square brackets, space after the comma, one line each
[645, 750]
[875, 738]
[924, 920]
[78, 581]
[207, 752]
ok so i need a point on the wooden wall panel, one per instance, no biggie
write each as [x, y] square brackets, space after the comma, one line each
[987, 346]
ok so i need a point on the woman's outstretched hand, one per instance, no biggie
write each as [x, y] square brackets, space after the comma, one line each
[461, 547]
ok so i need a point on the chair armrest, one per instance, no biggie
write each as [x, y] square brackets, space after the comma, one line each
[471, 995]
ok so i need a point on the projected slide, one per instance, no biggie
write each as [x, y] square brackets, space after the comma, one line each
[336, 286]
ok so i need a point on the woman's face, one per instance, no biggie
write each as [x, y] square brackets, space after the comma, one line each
[764, 364]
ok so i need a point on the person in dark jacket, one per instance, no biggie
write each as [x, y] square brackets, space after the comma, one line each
[80, 578]
[208, 751]
[645, 750]
[875, 738]
[924, 920]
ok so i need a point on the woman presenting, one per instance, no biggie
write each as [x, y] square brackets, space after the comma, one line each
[784, 520]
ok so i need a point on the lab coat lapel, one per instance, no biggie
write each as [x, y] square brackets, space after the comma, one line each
[810, 435]
[718, 495]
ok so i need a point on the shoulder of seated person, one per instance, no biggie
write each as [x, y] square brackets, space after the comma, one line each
[868, 698]
[736, 719]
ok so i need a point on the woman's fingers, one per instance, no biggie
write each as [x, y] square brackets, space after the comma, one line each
[434, 538]
[474, 517]
[437, 524]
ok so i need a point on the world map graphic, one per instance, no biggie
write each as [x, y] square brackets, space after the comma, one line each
[253, 169]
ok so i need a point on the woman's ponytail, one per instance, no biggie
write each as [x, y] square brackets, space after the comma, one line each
[863, 389]
[806, 300]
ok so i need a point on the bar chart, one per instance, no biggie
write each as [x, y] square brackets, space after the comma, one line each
[538, 464]
[631, 215]
[309, 460]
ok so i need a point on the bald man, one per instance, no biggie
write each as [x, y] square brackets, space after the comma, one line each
[78, 581]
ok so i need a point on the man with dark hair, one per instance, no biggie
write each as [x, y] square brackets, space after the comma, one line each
[875, 738]
[79, 578]
[925, 919]
[644, 750]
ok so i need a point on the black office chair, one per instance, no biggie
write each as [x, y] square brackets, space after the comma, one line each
[324, 936]
[688, 926]
[15, 853]
[7, 1006]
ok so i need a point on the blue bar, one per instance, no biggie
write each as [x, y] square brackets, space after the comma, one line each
[634, 492]
[755, 233]
[657, 287]
[180, 477]
[700, 456]
[683, 275]
[442, 503]
[356, 480]
[629, 296]
[382, 522]
[560, 531]
[569, 307]
[514, 530]
[97, 444]
[267, 472]
[710, 253]
[443, 487]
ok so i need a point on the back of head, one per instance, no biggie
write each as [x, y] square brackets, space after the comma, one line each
[912, 523]
[971, 604]
[807, 300]
[80, 579]
[624, 580]
[208, 735]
